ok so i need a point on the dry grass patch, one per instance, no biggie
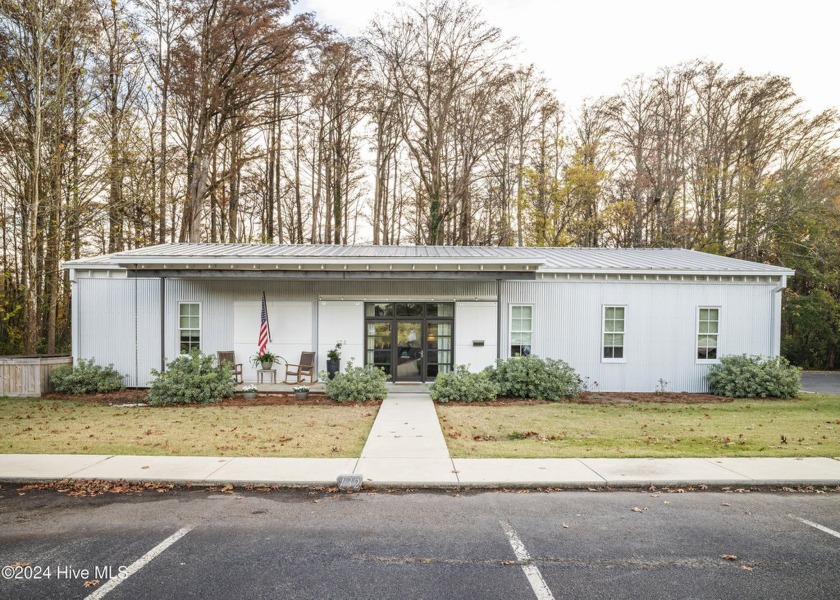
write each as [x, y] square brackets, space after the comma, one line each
[79, 427]
[808, 426]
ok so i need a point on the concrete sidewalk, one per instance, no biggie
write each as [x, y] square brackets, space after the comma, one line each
[426, 472]
[406, 448]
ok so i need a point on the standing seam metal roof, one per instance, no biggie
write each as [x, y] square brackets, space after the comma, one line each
[569, 259]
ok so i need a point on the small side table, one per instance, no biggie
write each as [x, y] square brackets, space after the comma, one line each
[261, 373]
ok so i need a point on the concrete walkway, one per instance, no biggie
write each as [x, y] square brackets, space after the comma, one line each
[406, 448]
[406, 445]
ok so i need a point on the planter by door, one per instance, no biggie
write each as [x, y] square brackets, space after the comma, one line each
[249, 395]
[266, 366]
[301, 395]
[333, 367]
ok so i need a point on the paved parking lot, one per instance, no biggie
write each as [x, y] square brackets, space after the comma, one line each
[821, 382]
[299, 544]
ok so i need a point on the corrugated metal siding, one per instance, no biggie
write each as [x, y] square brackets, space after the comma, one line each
[660, 320]
[212, 291]
[217, 297]
[423, 289]
[148, 328]
[660, 325]
[112, 330]
[107, 318]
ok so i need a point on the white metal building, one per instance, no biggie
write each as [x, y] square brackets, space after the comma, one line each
[623, 318]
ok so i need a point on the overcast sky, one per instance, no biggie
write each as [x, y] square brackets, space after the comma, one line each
[587, 48]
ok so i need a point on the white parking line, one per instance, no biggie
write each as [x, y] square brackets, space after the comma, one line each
[139, 564]
[531, 570]
[818, 526]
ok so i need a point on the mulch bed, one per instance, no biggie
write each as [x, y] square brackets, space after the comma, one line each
[610, 398]
[138, 396]
[664, 398]
[281, 399]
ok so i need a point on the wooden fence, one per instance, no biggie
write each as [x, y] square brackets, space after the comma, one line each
[28, 375]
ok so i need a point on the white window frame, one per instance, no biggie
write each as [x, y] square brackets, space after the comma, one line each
[604, 331]
[510, 327]
[706, 361]
[178, 327]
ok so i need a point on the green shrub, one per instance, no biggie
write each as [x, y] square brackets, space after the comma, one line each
[85, 378]
[742, 376]
[534, 377]
[356, 384]
[191, 379]
[461, 385]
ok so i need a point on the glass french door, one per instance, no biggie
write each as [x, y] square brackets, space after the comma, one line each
[409, 351]
[409, 341]
[379, 345]
[438, 352]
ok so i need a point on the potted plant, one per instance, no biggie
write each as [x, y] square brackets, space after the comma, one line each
[265, 360]
[301, 392]
[249, 392]
[334, 360]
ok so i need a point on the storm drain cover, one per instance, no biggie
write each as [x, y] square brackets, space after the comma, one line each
[350, 482]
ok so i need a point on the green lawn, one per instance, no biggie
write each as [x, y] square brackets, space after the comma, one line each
[79, 427]
[808, 426]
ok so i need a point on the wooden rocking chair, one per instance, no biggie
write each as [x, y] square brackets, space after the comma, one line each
[306, 368]
[235, 367]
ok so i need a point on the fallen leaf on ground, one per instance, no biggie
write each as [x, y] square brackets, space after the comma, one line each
[728, 557]
[637, 509]
[91, 583]
[564, 526]
[83, 488]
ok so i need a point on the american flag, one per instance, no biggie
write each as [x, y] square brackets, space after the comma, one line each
[265, 331]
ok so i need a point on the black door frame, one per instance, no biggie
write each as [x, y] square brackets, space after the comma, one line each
[424, 321]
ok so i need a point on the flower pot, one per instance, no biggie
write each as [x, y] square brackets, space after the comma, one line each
[301, 395]
[333, 367]
[249, 395]
[266, 365]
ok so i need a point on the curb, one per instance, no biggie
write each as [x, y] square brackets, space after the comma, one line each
[607, 486]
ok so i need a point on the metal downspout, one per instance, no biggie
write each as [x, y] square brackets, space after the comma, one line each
[498, 318]
[162, 324]
[776, 333]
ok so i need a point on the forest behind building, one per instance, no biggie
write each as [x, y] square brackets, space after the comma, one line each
[127, 123]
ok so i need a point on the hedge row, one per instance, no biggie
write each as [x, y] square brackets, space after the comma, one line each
[518, 377]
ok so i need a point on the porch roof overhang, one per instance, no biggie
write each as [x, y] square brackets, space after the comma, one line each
[227, 265]
[472, 275]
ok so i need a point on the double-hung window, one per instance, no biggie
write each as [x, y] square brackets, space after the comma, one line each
[708, 333]
[613, 334]
[189, 326]
[521, 329]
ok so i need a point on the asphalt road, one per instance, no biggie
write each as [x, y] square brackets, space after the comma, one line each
[299, 544]
[821, 382]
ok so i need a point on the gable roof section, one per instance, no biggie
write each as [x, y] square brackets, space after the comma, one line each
[490, 259]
